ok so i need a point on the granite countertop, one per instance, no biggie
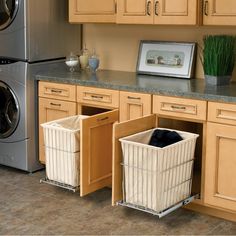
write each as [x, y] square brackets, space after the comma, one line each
[130, 81]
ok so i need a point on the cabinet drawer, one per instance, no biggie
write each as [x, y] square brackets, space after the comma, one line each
[222, 113]
[57, 91]
[98, 97]
[179, 107]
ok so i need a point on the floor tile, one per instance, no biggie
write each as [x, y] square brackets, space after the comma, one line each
[29, 208]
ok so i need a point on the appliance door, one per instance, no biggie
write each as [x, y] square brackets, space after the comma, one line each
[9, 111]
[8, 10]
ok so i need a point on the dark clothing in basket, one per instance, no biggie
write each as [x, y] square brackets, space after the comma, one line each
[162, 138]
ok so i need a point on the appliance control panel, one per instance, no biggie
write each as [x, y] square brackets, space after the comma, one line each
[5, 61]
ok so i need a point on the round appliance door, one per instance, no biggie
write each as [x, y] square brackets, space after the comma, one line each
[8, 10]
[9, 111]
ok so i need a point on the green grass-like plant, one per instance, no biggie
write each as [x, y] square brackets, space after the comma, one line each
[219, 54]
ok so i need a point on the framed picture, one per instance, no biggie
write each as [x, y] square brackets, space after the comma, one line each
[171, 59]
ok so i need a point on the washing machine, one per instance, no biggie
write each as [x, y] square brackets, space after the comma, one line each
[18, 122]
[36, 30]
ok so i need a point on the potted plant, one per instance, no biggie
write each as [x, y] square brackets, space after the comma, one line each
[218, 58]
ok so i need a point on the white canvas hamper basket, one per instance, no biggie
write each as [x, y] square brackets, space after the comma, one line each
[157, 178]
[62, 146]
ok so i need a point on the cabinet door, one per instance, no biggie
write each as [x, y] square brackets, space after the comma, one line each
[50, 109]
[219, 12]
[103, 11]
[121, 130]
[135, 11]
[134, 105]
[96, 151]
[172, 12]
[220, 166]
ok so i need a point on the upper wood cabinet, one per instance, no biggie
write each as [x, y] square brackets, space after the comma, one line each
[134, 11]
[219, 12]
[103, 11]
[164, 12]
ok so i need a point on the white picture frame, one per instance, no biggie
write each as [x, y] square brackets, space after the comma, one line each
[172, 59]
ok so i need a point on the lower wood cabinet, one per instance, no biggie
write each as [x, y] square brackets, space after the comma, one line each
[96, 151]
[220, 166]
[95, 132]
[134, 105]
[51, 109]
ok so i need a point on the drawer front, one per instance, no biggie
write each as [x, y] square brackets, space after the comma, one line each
[57, 91]
[222, 113]
[98, 97]
[180, 107]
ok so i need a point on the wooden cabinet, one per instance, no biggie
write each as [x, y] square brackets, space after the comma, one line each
[103, 11]
[220, 166]
[219, 12]
[134, 105]
[163, 12]
[55, 101]
[51, 109]
[96, 151]
[134, 12]
[95, 131]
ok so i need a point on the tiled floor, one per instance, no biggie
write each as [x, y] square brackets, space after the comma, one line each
[28, 208]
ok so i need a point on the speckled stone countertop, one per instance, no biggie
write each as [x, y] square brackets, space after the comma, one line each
[129, 81]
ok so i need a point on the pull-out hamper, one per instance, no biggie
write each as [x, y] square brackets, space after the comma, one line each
[154, 178]
[62, 146]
